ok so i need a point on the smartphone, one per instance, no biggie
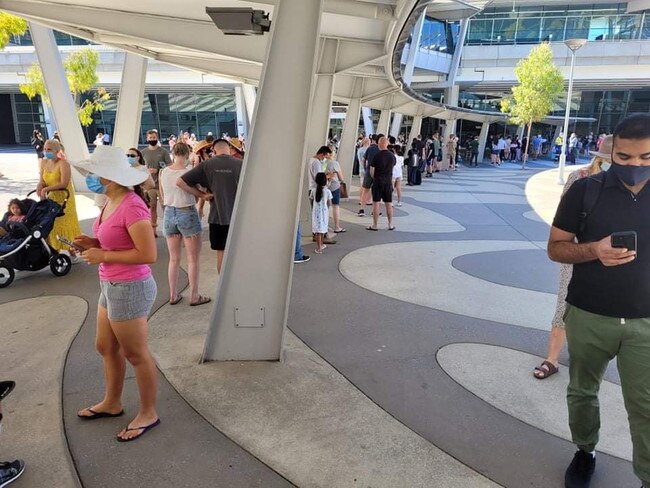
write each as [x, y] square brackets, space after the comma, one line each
[626, 240]
[71, 244]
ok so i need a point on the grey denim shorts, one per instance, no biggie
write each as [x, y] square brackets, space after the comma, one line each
[127, 300]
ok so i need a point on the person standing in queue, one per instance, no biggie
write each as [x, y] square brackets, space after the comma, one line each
[220, 175]
[381, 170]
[156, 158]
[123, 247]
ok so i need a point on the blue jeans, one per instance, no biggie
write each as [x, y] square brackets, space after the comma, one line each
[298, 254]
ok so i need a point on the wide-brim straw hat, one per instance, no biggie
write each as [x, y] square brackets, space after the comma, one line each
[201, 145]
[110, 162]
[605, 149]
[236, 143]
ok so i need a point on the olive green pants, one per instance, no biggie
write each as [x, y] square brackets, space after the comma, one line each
[594, 340]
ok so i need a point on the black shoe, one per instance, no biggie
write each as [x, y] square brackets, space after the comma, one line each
[10, 472]
[580, 471]
[303, 260]
[5, 388]
[361, 213]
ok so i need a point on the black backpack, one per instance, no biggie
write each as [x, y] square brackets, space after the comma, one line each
[592, 193]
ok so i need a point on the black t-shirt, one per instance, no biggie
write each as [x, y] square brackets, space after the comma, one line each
[617, 291]
[383, 163]
[220, 175]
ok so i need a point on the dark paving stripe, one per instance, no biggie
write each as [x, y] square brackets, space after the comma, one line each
[185, 451]
[347, 324]
[530, 270]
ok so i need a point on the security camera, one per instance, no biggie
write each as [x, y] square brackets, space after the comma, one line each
[239, 21]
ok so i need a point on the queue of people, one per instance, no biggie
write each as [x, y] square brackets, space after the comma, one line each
[599, 235]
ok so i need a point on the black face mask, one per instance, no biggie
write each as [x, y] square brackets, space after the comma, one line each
[152, 143]
[630, 175]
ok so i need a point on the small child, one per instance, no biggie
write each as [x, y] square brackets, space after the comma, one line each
[16, 211]
[320, 211]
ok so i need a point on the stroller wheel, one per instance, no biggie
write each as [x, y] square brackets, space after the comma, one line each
[7, 275]
[60, 264]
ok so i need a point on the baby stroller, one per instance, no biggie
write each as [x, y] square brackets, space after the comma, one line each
[24, 247]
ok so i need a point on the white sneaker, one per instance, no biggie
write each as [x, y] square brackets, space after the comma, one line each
[399, 204]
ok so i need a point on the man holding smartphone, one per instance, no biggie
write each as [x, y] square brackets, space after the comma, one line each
[608, 303]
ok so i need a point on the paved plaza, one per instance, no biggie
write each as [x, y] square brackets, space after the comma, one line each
[407, 363]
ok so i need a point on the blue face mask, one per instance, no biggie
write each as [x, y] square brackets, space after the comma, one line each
[94, 185]
[132, 161]
[630, 175]
[49, 155]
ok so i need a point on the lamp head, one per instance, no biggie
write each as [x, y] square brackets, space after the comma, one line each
[575, 44]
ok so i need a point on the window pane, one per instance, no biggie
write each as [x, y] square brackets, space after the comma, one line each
[528, 31]
[480, 32]
[553, 29]
[504, 30]
[627, 27]
[577, 28]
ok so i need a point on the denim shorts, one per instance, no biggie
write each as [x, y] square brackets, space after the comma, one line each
[181, 221]
[336, 196]
[127, 300]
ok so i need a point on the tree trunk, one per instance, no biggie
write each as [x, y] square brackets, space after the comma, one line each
[523, 164]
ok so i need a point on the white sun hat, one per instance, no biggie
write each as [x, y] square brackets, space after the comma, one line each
[110, 162]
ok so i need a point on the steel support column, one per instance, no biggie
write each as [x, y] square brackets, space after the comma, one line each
[249, 100]
[482, 140]
[250, 313]
[319, 119]
[63, 107]
[368, 126]
[407, 76]
[240, 108]
[347, 147]
[384, 122]
[129, 103]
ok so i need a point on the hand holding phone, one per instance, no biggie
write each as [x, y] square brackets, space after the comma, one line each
[70, 244]
[624, 240]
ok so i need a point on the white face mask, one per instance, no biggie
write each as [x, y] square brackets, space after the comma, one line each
[604, 166]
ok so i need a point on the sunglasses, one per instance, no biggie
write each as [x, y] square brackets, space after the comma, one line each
[131, 155]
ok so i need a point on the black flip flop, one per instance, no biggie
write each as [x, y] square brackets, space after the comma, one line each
[202, 300]
[391, 228]
[6, 387]
[176, 300]
[99, 415]
[144, 429]
[372, 229]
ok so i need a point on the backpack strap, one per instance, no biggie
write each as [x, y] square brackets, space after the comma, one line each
[592, 193]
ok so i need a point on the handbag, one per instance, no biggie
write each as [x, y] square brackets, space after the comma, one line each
[344, 190]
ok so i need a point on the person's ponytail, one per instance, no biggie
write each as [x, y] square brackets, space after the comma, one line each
[140, 192]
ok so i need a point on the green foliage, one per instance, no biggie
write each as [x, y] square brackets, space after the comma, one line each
[10, 25]
[81, 72]
[540, 84]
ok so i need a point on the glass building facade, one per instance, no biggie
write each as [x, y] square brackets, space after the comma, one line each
[438, 35]
[532, 25]
[169, 113]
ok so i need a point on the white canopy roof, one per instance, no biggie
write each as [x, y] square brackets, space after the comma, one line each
[366, 32]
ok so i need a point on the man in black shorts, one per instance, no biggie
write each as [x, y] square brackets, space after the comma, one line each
[381, 171]
[220, 175]
[366, 185]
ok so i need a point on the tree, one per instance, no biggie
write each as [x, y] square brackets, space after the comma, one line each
[540, 85]
[81, 71]
[10, 25]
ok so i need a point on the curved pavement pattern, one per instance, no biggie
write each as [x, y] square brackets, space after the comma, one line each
[397, 299]
[301, 417]
[509, 386]
[361, 398]
[36, 335]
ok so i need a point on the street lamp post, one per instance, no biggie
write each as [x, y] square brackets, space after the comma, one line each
[573, 45]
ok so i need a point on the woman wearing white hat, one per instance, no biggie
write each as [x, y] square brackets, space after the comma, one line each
[123, 248]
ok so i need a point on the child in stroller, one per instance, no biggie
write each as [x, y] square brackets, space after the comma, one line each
[23, 246]
[16, 212]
